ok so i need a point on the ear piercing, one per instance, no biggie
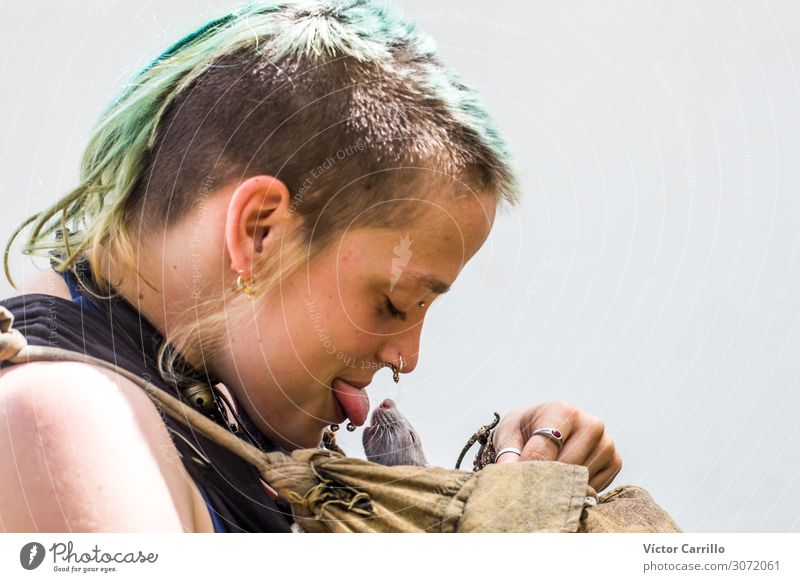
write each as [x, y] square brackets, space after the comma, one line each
[248, 288]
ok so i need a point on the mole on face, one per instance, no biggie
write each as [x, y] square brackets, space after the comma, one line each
[390, 439]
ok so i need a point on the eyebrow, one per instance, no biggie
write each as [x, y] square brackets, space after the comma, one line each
[431, 283]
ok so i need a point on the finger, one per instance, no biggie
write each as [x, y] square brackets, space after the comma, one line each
[585, 444]
[602, 457]
[606, 476]
[508, 434]
[560, 416]
[603, 464]
[507, 439]
[508, 457]
[539, 448]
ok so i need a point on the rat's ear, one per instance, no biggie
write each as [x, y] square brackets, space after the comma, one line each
[258, 215]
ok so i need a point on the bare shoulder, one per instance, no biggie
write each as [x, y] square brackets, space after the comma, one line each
[83, 449]
[47, 282]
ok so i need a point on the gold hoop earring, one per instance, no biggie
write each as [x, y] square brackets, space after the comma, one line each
[246, 288]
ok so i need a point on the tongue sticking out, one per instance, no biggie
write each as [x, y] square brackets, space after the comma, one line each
[354, 401]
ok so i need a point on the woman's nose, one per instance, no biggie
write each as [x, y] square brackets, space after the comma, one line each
[406, 345]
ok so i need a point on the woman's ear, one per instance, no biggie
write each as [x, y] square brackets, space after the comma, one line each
[258, 214]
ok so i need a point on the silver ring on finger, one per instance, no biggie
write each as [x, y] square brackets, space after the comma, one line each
[552, 434]
[505, 450]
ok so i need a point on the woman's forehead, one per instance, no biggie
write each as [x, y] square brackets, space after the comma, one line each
[467, 220]
[406, 243]
[427, 254]
[408, 257]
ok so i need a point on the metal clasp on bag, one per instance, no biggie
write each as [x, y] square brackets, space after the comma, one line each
[485, 455]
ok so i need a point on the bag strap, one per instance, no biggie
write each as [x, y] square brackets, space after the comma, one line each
[14, 349]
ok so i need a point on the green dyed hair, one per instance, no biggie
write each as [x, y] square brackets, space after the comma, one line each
[278, 88]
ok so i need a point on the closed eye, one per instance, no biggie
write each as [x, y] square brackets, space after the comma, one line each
[393, 311]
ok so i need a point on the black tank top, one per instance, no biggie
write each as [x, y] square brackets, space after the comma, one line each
[114, 331]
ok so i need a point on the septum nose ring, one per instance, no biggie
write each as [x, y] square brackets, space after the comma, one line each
[396, 371]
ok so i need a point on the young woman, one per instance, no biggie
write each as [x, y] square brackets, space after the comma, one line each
[241, 237]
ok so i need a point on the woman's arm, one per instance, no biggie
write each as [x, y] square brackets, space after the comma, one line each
[82, 449]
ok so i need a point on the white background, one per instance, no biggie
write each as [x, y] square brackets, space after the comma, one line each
[650, 277]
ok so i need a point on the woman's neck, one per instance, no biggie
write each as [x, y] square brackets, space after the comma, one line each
[179, 269]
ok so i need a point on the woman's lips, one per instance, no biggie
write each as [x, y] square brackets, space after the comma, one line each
[354, 401]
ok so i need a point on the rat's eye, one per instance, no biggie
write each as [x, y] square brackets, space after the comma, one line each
[393, 311]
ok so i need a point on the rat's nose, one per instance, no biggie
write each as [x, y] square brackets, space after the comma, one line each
[388, 403]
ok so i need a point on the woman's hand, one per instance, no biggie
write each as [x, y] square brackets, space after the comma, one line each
[585, 440]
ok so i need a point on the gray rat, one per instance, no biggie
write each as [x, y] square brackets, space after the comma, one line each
[390, 439]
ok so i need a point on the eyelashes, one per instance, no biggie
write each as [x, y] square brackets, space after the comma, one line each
[392, 311]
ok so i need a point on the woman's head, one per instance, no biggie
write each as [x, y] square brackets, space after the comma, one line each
[340, 135]
[352, 309]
